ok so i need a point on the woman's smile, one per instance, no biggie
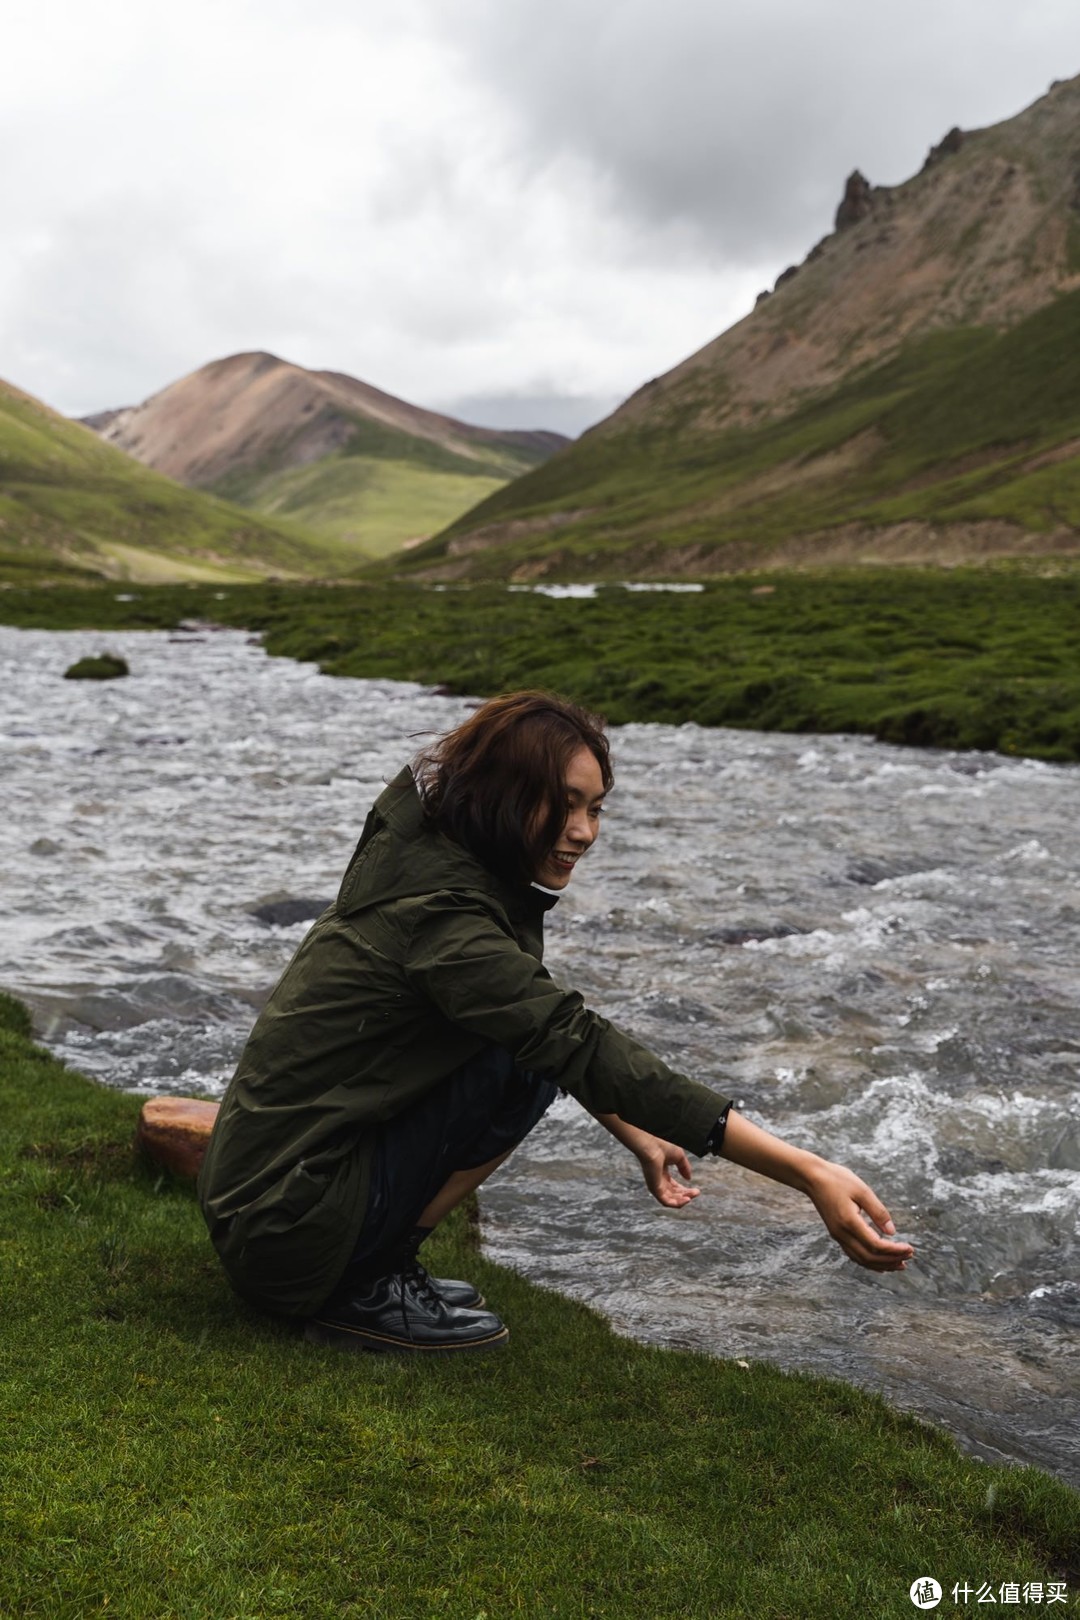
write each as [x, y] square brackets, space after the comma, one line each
[584, 804]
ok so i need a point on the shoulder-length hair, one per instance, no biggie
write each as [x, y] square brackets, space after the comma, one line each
[496, 784]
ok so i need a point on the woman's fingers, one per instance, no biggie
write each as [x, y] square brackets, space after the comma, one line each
[844, 1203]
[661, 1182]
[876, 1210]
[863, 1244]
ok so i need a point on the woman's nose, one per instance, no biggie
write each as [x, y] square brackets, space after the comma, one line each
[580, 827]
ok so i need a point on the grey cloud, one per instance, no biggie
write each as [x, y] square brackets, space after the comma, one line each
[525, 210]
[743, 125]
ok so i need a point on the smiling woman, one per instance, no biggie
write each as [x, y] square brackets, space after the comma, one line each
[416, 1038]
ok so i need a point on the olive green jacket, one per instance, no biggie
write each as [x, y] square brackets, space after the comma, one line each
[423, 960]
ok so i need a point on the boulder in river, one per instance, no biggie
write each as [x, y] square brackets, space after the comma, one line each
[104, 667]
[293, 909]
[174, 1132]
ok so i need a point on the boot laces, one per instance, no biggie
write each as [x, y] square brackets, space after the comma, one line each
[416, 1277]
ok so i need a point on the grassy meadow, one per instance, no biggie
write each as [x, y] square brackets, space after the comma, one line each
[171, 1453]
[965, 658]
[372, 504]
[966, 427]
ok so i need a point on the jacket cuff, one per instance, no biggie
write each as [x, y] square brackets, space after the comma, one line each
[699, 1119]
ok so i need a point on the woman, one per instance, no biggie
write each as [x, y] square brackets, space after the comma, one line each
[415, 1039]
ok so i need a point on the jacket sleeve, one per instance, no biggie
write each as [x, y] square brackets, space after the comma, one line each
[479, 978]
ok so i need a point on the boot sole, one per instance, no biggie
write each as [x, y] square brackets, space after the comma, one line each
[348, 1338]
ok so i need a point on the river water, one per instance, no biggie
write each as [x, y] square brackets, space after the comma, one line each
[876, 950]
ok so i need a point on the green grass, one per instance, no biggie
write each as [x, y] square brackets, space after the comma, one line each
[948, 427]
[366, 502]
[170, 1453]
[72, 505]
[384, 486]
[961, 659]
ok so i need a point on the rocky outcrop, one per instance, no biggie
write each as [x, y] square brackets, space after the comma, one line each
[175, 1131]
[946, 147]
[857, 201]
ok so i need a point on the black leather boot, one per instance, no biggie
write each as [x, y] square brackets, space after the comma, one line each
[403, 1257]
[402, 1312]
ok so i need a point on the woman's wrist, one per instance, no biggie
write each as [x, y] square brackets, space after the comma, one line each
[755, 1149]
[640, 1143]
[813, 1172]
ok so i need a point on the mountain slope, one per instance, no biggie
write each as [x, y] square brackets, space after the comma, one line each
[909, 393]
[72, 506]
[321, 448]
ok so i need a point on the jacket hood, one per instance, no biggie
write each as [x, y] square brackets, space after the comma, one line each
[400, 855]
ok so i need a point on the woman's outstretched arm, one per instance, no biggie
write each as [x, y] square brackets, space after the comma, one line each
[839, 1197]
[837, 1194]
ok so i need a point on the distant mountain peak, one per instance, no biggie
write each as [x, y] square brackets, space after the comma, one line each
[252, 426]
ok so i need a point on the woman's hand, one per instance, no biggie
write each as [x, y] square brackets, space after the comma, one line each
[841, 1199]
[658, 1160]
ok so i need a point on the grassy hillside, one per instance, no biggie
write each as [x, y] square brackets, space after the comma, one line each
[171, 1452]
[383, 489]
[967, 658]
[966, 442]
[73, 507]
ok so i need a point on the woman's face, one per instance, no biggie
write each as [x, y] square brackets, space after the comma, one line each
[584, 802]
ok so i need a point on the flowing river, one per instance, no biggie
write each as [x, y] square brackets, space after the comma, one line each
[877, 950]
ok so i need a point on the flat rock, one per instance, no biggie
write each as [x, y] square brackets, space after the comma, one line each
[174, 1132]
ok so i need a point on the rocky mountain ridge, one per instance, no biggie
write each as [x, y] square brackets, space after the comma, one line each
[785, 431]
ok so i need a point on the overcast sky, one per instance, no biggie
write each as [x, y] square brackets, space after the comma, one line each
[515, 212]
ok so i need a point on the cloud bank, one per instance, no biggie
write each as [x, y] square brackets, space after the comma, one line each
[514, 212]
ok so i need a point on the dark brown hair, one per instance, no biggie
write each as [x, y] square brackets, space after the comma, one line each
[496, 784]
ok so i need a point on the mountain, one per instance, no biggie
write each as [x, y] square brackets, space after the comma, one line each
[320, 448]
[909, 392]
[73, 507]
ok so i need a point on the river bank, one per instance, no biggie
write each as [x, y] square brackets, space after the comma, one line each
[171, 1452]
[963, 658]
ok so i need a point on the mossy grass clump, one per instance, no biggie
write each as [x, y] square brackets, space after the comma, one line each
[97, 667]
[170, 1452]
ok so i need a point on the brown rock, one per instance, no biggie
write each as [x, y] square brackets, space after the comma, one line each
[174, 1132]
[946, 147]
[856, 202]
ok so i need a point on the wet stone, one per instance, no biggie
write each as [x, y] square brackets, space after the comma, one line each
[284, 913]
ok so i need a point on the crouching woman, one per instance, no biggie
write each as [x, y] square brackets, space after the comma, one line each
[415, 1039]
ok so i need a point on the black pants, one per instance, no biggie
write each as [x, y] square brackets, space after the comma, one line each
[482, 1110]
